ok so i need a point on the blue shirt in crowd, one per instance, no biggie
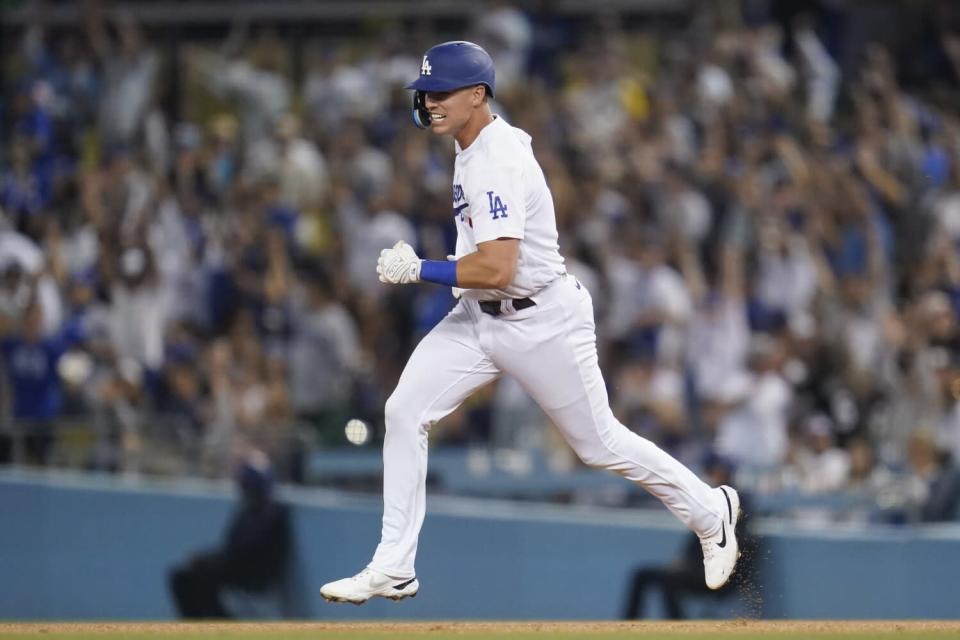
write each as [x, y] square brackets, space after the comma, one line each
[34, 380]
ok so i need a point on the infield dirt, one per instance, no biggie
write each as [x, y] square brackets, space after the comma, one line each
[653, 630]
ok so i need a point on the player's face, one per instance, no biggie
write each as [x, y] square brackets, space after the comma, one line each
[451, 110]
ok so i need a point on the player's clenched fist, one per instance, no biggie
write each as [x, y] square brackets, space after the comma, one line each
[399, 264]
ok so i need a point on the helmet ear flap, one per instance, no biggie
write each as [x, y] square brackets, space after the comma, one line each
[421, 117]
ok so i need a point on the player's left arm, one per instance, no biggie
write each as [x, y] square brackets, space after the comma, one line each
[497, 214]
[492, 266]
[498, 219]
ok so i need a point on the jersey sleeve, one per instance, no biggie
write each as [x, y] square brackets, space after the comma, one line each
[497, 206]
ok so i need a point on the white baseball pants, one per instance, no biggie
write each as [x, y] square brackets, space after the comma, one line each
[551, 350]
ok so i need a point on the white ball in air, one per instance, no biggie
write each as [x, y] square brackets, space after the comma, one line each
[357, 432]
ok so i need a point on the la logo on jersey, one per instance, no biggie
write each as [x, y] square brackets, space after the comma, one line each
[425, 68]
[496, 206]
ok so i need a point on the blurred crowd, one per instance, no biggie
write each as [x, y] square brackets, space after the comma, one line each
[765, 209]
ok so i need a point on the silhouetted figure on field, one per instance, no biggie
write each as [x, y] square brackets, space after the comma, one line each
[254, 553]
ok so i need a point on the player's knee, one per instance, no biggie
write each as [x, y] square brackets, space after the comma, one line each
[605, 452]
[595, 456]
[397, 414]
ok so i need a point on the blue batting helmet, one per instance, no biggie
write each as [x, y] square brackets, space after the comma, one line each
[448, 66]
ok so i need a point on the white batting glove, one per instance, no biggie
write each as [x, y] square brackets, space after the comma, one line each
[399, 264]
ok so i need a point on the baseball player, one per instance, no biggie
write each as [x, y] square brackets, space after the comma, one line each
[519, 313]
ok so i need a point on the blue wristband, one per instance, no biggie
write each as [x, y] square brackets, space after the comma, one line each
[441, 272]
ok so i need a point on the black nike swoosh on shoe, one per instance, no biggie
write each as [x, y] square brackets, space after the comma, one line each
[404, 585]
[729, 506]
[723, 541]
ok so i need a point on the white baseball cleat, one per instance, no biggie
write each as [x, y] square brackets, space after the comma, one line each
[721, 551]
[368, 583]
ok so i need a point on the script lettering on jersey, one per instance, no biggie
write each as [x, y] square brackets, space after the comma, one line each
[457, 197]
[496, 206]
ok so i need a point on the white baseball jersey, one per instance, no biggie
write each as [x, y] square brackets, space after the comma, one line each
[499, 192]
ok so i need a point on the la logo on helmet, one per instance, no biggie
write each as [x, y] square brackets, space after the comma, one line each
[425, 68]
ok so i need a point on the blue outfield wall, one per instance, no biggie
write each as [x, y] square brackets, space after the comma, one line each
[84, 547]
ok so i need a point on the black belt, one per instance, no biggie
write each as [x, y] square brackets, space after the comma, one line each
[493, 308]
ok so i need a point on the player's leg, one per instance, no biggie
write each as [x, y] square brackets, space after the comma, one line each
[446, 367]
[552, 353]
